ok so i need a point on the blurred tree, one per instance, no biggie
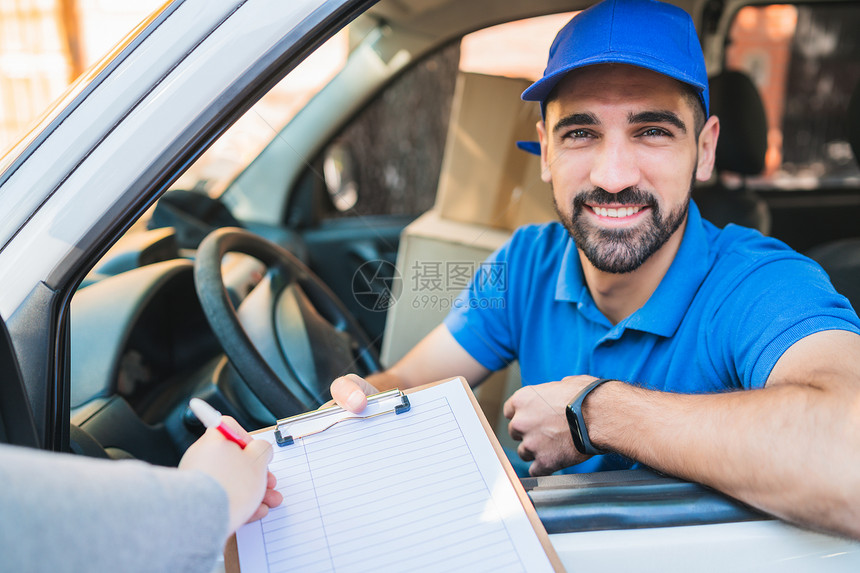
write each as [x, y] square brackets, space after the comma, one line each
[70, 26]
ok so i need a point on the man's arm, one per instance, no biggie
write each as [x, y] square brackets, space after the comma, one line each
[436, 357]
[791, 449]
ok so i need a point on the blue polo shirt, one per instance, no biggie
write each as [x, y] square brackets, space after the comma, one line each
[730, 304]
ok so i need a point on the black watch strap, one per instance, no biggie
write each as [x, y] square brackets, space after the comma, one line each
[577, 423]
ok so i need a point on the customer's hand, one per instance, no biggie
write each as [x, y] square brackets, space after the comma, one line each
[243, 473]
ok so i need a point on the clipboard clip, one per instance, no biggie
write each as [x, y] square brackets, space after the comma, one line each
[295, 427]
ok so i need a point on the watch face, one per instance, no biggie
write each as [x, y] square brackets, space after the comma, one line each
[575, 432]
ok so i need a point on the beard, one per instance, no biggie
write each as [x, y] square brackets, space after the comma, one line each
[621, 250]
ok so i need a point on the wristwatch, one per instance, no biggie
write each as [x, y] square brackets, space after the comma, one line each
[577, 422]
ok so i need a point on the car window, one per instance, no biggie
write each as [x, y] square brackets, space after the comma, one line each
[805, 61]
[44, 46]
[256, 128]
[387, 160]
[370, 167]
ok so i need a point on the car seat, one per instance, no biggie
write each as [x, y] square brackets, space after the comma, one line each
[741, 150]
[841, 259]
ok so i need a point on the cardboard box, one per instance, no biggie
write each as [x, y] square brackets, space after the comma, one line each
[485, 178]
[431, 254]
[487, 188]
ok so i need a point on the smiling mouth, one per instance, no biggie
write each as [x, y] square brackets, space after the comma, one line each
[615, 212]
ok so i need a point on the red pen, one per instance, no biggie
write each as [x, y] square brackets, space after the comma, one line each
[211, 418]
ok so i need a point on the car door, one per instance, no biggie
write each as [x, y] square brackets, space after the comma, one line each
[16, 418]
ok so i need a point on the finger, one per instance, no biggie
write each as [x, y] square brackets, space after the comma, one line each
[260, 451]
[273, 498]
[365, 386]
[271, 481]
[514, 432]
[508, 409]
[236, 427]
[525, 454]
[261, 512]
[348, 393]
[538, 469]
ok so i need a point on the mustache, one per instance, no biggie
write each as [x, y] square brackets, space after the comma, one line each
[598, 196]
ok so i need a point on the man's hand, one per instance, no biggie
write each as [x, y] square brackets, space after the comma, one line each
[350, 392]
[437, 357]
[538, 421]
[243, 473]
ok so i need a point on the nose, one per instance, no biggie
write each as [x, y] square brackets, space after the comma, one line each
[615, 167]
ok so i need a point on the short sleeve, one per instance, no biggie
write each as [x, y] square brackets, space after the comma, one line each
[767, 311]
[479, 319]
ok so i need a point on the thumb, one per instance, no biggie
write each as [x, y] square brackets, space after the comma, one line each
[260, 452]
[350, 392]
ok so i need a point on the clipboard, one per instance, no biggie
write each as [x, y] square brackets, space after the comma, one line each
[288, 430]
[387, 407]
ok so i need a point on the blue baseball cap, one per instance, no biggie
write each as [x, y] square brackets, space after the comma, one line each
[644, 33]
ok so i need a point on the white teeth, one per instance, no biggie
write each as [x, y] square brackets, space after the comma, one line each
[617, 213]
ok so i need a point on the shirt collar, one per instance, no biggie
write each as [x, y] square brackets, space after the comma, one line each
[570, 283]
[663, 312]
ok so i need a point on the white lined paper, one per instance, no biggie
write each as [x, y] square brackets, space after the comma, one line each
[423, 490]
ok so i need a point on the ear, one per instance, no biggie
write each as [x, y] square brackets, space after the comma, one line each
[545, 174]
[708, 148]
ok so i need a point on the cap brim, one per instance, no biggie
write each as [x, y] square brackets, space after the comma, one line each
[541, 89]
[529, 146]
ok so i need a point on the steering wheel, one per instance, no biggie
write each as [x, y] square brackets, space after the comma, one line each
[290, 336]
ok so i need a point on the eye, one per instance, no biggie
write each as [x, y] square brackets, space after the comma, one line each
[655, 132]
[577, 134]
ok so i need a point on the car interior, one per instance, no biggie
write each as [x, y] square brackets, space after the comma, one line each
[330, 252]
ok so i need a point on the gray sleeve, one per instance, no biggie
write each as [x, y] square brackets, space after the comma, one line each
[60, 512]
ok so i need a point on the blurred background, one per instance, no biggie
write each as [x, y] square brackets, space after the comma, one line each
[47, 44]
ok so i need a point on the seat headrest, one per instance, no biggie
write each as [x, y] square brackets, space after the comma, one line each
[743, 123]
[854, 122]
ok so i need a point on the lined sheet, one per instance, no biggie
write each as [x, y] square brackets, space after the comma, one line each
[420, 491]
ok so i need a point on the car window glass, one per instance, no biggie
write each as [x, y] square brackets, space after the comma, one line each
[256, 128]
[387, 160]
[395, 143]
[515, 49]
[805, 61]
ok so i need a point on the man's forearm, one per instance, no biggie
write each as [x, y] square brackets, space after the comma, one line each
[385, 380]
[792, 450]
[437, 357]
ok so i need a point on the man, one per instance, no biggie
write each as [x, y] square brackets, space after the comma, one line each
[633, 319]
